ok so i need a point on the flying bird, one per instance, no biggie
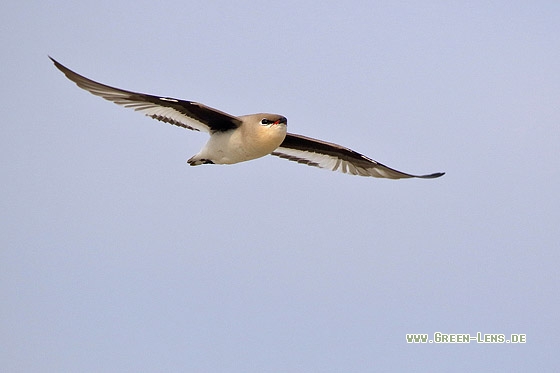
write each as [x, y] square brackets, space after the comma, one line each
[235, 139]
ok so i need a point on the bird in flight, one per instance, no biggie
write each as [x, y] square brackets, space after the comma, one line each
[235, 139]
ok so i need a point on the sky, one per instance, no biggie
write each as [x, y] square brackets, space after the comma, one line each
[115, 255]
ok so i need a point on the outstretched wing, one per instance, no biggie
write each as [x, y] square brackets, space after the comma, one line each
[186, 114]
[334, 157]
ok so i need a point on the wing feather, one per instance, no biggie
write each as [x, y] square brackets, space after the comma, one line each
[186, 114]
[334, 157]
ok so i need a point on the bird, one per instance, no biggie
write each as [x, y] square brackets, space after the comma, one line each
[235, 139]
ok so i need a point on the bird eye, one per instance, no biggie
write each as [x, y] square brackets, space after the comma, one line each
[265, 121]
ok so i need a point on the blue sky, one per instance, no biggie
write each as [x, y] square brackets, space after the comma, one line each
[118, 256]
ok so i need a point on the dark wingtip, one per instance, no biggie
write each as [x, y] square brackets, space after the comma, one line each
[432, 176]
[58, 65]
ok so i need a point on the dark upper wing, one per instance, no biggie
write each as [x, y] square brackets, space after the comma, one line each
[186, 114]
[334, 157]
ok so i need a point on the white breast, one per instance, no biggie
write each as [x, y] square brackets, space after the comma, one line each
[242, 144]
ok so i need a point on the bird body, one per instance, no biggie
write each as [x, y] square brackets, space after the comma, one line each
[250, 141]
[235, 139]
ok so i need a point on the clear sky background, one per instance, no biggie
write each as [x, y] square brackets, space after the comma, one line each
[115, 255]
